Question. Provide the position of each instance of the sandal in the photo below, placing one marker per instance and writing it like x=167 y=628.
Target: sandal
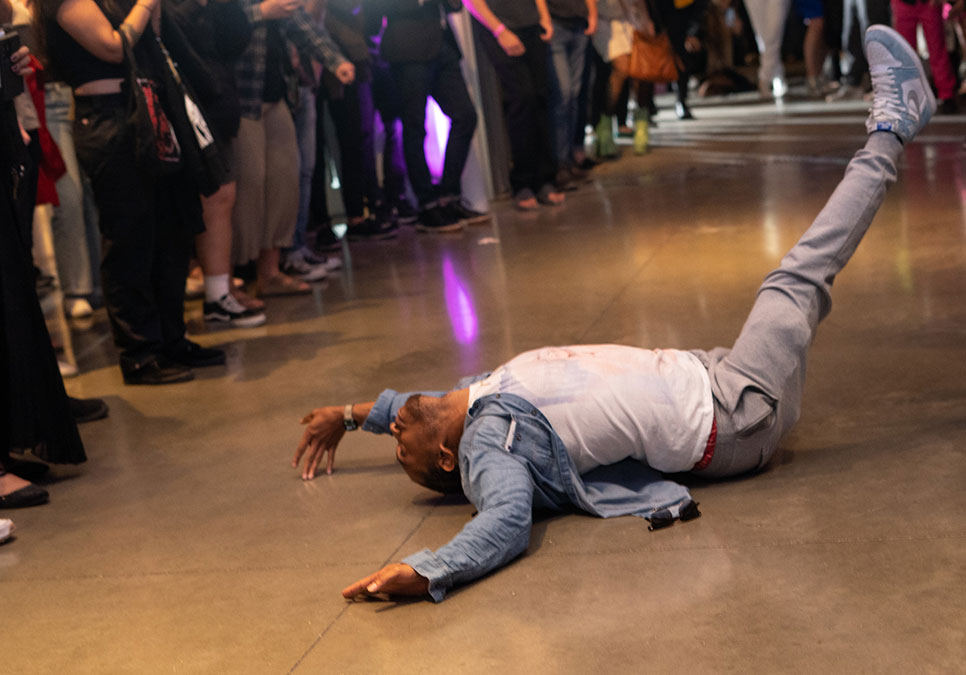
x=282 y=284
x=525 y=200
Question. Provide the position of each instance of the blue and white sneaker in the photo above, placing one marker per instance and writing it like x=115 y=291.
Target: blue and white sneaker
x=902 y=101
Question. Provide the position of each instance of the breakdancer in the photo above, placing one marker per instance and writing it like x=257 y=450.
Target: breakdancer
x=592 y=426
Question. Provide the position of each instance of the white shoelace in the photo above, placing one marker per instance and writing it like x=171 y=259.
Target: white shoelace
x=885 y=102
x=230 y=303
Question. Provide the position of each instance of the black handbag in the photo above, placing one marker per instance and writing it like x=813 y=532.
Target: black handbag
x=156 y=147
x=205 y=164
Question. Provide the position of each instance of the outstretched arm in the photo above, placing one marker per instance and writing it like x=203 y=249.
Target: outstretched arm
x=499 y=486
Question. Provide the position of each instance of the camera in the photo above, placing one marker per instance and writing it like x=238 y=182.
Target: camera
x=11 y=84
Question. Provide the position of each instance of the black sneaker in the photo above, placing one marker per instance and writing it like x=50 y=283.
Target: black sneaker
x=159 y=370
x=465 y=213
x=191 y=354
x=87 y=409
x=438 y=219
x=405 y=213
x=229 y=312
x=371 y=229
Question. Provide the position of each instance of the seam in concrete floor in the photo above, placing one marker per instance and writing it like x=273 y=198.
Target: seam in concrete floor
x=385 y=562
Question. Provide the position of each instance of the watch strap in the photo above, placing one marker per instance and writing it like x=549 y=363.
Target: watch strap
x=347 y=420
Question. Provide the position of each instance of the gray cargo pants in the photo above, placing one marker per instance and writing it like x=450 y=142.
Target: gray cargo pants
x=757 y=384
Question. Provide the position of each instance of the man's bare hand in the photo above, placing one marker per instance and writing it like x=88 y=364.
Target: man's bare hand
x=345 y=72
x=323 y=432
x=395 y=579
x=511 y=44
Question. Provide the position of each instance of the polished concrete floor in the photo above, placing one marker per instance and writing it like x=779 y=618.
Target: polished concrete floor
x=187 y=544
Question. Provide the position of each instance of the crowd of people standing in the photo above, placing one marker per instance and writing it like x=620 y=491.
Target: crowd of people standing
x=170 y=131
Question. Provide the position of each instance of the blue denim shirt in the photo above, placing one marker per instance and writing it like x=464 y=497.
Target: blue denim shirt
x=511 y=462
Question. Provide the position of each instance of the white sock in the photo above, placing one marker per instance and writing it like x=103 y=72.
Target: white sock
x=216 y=286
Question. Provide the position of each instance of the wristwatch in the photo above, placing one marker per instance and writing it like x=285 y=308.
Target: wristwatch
x=347 y=419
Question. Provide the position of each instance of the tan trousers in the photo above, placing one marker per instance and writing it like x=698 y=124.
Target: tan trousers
x=267 y=162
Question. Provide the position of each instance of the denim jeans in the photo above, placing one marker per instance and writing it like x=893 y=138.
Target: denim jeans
x=568 y=49
x=74 y=222
x=304 y=117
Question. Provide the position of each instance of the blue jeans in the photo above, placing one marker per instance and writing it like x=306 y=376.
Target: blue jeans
x=568 y=49
x=304 y=117
x=74 y=222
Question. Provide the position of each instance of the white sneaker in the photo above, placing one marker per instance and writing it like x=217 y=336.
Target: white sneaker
x=229 y=311
x=7 y=528
x=330 y=262
x=903 y=102
x=297 y=266
x=77 y=308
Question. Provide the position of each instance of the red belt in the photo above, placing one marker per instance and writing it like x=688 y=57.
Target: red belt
x=708 y=449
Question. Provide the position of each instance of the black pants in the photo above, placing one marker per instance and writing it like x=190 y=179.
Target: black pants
x=387 y=100
x=443 y=80
x=353 y=115
x=145 y=228
x=526 y=106
x=676 y=23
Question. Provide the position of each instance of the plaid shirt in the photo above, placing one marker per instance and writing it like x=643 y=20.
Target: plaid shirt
x=299 y=29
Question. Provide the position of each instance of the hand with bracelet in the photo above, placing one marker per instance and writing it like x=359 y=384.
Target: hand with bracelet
x=509 y=41
x=324 y=429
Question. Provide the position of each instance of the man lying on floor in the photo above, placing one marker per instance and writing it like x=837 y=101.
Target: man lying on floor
x=592 y=426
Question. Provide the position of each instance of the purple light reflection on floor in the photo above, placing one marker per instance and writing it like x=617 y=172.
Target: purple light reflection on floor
x=437 y=133
x=459 y=305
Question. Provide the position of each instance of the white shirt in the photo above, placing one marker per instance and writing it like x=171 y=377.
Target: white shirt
x=611 y=402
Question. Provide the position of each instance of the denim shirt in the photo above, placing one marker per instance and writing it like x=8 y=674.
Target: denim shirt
x=511 y=462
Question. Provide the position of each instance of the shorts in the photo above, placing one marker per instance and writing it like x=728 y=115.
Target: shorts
x=809 y=9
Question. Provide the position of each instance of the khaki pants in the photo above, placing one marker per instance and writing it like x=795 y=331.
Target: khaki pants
x=267 y=162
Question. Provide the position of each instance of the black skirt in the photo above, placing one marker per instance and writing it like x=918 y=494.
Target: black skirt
x=34 y=411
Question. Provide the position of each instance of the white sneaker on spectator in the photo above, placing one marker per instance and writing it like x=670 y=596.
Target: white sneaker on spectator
x=227 y=310
x=77 y=308
x=331 y=262
x=297 y=266
x=7 y=528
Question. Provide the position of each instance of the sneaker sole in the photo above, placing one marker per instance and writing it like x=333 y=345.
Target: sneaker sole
x=454 y=227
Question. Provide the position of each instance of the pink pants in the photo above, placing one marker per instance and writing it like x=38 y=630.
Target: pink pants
x=905 y=18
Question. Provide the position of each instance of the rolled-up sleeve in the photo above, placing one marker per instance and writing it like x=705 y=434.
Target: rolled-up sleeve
x=501 y=488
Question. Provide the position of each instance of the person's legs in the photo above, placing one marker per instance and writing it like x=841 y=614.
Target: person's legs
x=519 y=109
x=931 y=19
x=568 y=48
x=449 y=90
x=758 y=385
x=348 y=125
x=125 y=201
x=304 y=119
x=248 y=216
x=280 y=195
x=67 y=222
x=414 y=81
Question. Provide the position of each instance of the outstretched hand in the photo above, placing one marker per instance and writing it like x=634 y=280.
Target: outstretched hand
x=395 y=579
x=322 y=434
